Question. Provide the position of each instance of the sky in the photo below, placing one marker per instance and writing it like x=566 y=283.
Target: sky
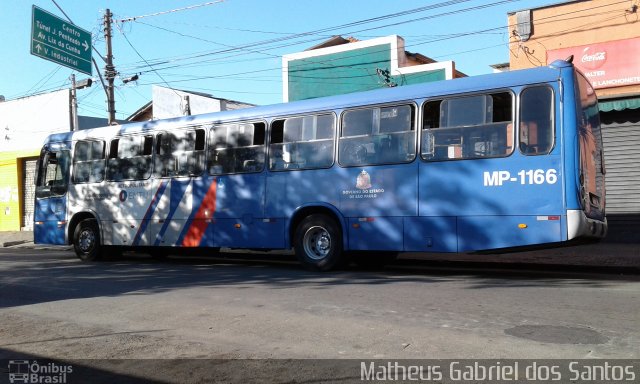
x=233 y=48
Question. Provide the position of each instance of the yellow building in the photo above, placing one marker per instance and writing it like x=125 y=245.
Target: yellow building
x=17 y=172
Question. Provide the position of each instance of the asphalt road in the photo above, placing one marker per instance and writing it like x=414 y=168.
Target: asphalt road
x=54 y=306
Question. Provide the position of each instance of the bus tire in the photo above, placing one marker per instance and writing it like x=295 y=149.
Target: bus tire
x=318 y=243
x=86 y=240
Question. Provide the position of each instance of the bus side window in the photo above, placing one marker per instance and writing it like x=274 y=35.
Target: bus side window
x=236 y=148
x=180 y=153
x=113 y=166
x=468 y=127
x=130 y=158
x=377 y=135
x=536 y=135
x=304 y=142
x=88 y=162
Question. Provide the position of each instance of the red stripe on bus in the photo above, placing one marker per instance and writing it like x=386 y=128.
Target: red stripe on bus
x=201 y=220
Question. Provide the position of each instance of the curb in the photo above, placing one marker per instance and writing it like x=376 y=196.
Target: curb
x=14 y=243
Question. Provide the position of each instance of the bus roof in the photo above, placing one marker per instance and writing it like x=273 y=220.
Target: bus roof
x=410 y=92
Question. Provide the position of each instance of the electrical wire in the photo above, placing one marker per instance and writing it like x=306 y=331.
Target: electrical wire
x=439 y=39
x=446 y=38
x=379 y=18
x=287 y=38
x=170 y=11
x=138 y=53
x=315 y=32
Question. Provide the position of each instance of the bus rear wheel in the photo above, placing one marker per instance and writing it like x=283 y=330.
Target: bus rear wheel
x=86 y=240
x=318 y=243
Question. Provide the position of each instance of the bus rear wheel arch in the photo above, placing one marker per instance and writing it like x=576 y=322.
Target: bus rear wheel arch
x=318 y=242
x=86 y=240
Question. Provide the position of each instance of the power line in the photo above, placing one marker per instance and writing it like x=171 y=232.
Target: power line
x=315 y=32
x=205 y=40
x=240 y=51
x=439 y=15
x=139 y=55
x=431 y=40
x=441 y=39
x=170 y=11
x=41 y=83
x=353 y=23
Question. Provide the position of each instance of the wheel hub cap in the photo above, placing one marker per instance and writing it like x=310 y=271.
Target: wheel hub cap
x=317 y=243
x=87 y=239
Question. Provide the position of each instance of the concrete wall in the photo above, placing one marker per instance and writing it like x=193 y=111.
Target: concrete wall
x=169 y=103
x=24 y=123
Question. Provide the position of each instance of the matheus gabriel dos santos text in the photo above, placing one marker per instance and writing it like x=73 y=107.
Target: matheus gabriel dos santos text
x=502 y=371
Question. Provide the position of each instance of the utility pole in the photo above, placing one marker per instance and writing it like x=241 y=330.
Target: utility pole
x=109 y=69
x=74 y=104
x=74 y=99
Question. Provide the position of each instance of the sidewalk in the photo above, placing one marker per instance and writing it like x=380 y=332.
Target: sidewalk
x=11 y=239
x=605 y=254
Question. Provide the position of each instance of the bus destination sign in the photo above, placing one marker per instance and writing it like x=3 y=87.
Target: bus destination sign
x=60 y=41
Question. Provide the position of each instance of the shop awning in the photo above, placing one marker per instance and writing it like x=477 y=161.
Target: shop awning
x=619 y=104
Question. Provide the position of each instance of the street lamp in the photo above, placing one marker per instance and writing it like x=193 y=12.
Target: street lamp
x=74 y=100
x=130 y=79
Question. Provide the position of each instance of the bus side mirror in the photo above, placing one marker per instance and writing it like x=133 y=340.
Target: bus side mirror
x=58 y=189
x=43 y=192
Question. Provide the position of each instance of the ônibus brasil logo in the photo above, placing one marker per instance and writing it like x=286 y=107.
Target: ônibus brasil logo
x=28 y=372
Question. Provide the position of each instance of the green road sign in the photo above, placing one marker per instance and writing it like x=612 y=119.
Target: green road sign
x=60 y=41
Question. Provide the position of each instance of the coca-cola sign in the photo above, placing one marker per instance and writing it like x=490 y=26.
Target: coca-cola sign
x=607 y=65
x=593 y=60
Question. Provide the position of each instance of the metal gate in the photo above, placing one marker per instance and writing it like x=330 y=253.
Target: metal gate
x=621 y=143
x=29 y=193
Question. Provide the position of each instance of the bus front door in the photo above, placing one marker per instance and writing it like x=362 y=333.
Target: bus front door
x=51 y=197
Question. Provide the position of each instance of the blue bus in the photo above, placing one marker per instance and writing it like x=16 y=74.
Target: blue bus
x=480 y=163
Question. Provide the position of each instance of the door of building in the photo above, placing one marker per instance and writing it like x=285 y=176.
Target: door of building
x=28 y=192
x=621 y=142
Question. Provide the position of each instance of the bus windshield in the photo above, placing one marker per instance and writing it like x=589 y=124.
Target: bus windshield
x=53 y=177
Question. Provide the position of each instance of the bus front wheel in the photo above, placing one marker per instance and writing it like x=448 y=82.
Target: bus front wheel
x=86 y=240
x=318 y=243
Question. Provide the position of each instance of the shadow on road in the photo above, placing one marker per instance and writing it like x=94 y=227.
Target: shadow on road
x=34 y=276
